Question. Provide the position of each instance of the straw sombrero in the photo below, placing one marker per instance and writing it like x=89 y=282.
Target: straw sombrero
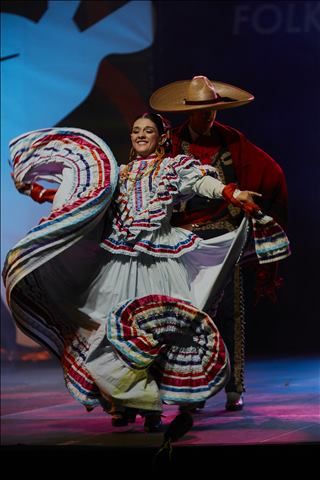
x=197 y=94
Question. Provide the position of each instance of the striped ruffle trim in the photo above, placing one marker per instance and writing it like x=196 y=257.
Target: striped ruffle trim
x=129 y=221
x=271 y=242
x=151 y=248
x=78 y=380
x=43 y=154
x=180 y=343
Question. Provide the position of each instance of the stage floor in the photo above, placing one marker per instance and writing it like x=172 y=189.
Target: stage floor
x=282 y=407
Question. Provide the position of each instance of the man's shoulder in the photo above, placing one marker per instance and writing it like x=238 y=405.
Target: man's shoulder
x=241 y=146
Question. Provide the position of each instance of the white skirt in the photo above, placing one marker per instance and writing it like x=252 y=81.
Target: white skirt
x=193 y=277
x=196 y=277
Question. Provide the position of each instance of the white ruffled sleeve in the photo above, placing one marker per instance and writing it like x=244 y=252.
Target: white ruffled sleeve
x=209 y=187
x=195 y=178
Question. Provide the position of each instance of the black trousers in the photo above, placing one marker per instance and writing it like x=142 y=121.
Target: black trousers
x=230 y=320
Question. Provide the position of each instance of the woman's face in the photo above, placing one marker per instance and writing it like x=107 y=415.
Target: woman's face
x=144 y=136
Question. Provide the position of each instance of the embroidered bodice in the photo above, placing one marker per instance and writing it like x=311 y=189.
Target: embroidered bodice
x=147 y=190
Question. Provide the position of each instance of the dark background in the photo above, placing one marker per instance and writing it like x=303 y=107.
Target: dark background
x=273 y=51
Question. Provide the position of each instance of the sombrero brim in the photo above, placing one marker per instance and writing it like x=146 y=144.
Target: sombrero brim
x=171 y=97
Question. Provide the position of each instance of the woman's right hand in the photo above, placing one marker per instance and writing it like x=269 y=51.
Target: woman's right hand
x=22 y=187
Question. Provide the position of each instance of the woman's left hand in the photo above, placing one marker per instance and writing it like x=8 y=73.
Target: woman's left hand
x=242 y=199
x=245 y=195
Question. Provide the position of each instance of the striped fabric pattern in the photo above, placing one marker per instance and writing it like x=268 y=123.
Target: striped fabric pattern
x=180 y=343
x=42 y=155
x=151 y=247
x=77 y=378
x=142 y=205
x=271 y=242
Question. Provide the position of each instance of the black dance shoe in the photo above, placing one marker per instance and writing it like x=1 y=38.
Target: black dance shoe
x=152 y=423
x=234 y=402
x=119 y=419
x=122 y=419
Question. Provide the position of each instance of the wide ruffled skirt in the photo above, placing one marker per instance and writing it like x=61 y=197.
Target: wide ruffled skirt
x=127 y=330
x=154 y=343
